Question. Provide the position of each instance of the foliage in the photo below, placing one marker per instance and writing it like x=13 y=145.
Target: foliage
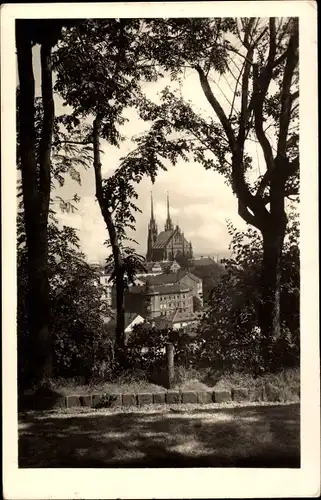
x=258 y=60
x=63 y=254
x=69 y=154
x=146 y=348
x=197 y=304
x=132 y=263
x=100 y=65
x=105 y=401
x=233 y=51
x=230 y=328
x=81 y=346
x=183 y=261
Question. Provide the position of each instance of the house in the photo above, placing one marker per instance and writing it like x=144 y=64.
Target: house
x=131 y=320
x=181 y=276
x=174 y=267
x=156 y=268
x=151 y=301
x=178 y=320
x=109 y=286
x=104 y=279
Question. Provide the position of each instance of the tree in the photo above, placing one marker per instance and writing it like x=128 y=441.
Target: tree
x=99 y=68
x=80 y=343
x=231 y=328
x=36 y=186
x=82 y=346
x=36 y=127
x=263 y=79
x=133 y=263
x=197 y=304
x=183 y=261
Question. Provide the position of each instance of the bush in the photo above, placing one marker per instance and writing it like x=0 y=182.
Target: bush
x=232 y=338
x=82 y=346
x=146 y=348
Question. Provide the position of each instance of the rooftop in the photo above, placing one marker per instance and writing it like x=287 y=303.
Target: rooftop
x=161 y=289
x=168 y=278
x=203 y=261
x=179 y=316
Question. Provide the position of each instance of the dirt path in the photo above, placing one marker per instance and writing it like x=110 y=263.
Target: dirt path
x=211 y=436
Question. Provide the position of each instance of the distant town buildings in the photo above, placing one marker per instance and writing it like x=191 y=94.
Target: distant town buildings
x=151 y=301
x=170 y=293
x=178 y=320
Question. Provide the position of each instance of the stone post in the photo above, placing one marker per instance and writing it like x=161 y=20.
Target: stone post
x=170 y=364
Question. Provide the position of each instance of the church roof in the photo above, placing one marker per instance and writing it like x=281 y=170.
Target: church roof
x=163 y=238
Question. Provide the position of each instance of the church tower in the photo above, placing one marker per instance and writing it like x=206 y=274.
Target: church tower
x=152 y=232
x=168 y=224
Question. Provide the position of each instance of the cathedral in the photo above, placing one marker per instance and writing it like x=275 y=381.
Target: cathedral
x=167 y=244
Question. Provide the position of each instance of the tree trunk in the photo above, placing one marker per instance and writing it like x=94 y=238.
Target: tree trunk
x=270 y=285
x=36 y=197
x=120 y=321
x=118 y=262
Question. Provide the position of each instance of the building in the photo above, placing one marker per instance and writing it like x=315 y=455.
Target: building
x=131 y=320
x=169 y=292
x=178 y=320
x=181 y=276
x=151 y=301
x=104 y=280
x=109 y=286
x=167 y=244
x=156 y=268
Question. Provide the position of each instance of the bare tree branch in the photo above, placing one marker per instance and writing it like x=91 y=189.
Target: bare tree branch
x=244 y=100
x=259 y=94
x=217 y=108
x=286 y=98
x=235 y=91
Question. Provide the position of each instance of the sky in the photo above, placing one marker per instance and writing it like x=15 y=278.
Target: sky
x=200 y=201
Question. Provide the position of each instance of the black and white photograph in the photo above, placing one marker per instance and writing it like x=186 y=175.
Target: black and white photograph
x=161 y=261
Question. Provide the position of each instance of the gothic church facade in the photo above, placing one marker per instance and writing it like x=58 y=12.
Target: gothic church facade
x=168 y=244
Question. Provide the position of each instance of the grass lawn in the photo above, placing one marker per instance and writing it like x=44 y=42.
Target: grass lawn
x=211 y=436
x=190 y=379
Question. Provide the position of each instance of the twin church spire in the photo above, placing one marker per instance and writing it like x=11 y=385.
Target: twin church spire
x=169 y=226
x=167 y=244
